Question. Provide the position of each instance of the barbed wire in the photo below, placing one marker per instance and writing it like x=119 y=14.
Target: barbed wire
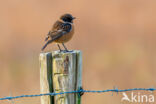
x=80 y=91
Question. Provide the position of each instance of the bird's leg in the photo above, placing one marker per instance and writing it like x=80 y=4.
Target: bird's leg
x=65 y=47
x=59 y=47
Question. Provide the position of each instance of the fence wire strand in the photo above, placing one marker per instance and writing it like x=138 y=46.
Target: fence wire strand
x=79 y=91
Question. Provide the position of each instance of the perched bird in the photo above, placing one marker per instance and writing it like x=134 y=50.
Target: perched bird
x=61 y=32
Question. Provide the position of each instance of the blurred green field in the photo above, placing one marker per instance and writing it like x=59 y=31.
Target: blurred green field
x=117 y=38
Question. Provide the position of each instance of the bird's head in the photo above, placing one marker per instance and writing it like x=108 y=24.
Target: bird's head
x=67 y=18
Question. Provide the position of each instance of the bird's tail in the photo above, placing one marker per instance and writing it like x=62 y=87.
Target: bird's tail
x=49 y=41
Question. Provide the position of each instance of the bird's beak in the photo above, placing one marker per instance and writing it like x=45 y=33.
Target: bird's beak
x=74 y=17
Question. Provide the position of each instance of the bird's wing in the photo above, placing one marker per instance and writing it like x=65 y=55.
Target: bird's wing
x=58 y=34
x=64 y=29
x=57 y=28
x=61 y=30
x=55 y=36
x=54 y=29
x=57 y=25
x=48 y=35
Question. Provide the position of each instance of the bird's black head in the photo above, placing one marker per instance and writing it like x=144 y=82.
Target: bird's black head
x=67 y=18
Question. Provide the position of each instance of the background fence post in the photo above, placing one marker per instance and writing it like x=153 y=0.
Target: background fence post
x=61 y=72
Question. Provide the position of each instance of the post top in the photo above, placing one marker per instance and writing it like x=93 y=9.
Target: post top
x=62 y=52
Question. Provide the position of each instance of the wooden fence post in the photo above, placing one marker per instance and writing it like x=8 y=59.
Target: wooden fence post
x=61 y=72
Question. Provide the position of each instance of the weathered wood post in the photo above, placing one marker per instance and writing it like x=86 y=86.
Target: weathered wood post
x=61 y=72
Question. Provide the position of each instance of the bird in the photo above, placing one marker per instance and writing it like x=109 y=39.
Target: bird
x=61 y=32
